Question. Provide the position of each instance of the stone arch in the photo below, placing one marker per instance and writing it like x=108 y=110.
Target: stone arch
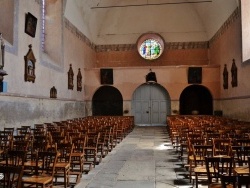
x=196 y=99
x=107 y=101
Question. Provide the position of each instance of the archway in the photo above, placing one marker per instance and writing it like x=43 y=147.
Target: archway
x=150 y=104
x=107 y=101
x=196 y=99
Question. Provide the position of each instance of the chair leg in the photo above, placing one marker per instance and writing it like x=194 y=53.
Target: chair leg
x=196 y=180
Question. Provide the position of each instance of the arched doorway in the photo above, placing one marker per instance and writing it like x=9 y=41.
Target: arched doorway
x=196 y=99
x=150 y=105
x=107 y=101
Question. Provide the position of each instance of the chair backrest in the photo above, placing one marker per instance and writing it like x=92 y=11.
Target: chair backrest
x=222 y=146
x=20 y=145
x=65 y=150
x=11 y=176
x=79 y=143
x=5 y=142
x=45 y=163
x=39 y=146
x=15 y=158
x=93 y=139
x=242 y=142
x=201 y=151
x=216 y=166
x=241 y=154
x=9 y=129
x=9 y=133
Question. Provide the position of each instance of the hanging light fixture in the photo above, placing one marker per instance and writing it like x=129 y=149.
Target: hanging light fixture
x=151 y=77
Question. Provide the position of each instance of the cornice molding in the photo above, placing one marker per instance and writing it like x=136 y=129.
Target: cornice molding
x=78 y=34
x=234 y=16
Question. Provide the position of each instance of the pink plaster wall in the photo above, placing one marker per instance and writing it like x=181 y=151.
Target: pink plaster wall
x=234 y=101
x=222 y=51
x=129 y=71
x=132 y=58
x=78 y=52
x=172 y=78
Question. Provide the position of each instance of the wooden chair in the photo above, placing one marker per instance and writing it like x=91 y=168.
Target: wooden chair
x=101 y=147
x=77 y=157
x=183 y=142
x=30 y=163
x=193 y=157
x=217 y=166
x=107 y=140
x=11 y=176
x=200 y=152
x=63 y=164
x=90 y=150
x=45 y=168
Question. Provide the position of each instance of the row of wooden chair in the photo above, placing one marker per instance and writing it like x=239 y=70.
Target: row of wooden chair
x=201 y=137
x=75 y=145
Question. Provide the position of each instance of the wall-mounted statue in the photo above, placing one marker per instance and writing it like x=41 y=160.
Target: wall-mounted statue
x=2 y=72
x=70 y=78
x=2 y=52
x=234 y=81
x=79 y=80
x=225 y=77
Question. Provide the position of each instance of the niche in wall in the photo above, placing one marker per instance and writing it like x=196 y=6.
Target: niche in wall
x=29 y=70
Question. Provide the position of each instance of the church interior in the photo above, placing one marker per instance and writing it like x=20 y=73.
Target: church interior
x=135 y=64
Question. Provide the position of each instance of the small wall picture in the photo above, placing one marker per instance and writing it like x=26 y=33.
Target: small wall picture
x=194 y=75
x=107 y=76
x=30 y=24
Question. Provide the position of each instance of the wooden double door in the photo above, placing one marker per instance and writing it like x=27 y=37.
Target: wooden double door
x=150 y=105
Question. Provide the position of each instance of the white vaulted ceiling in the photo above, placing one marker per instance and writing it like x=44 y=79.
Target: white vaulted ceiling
x=123 y=21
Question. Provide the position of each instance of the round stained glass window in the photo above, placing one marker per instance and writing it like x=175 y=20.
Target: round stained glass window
x=150 y=46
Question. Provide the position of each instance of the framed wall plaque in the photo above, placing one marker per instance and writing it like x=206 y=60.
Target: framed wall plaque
x=194 y=75
x=106 y=76
x=30 y=24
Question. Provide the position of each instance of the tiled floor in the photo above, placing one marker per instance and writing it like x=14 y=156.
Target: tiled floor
x=144 y=159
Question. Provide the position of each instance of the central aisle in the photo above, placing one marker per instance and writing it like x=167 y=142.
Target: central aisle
x=144 y=159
